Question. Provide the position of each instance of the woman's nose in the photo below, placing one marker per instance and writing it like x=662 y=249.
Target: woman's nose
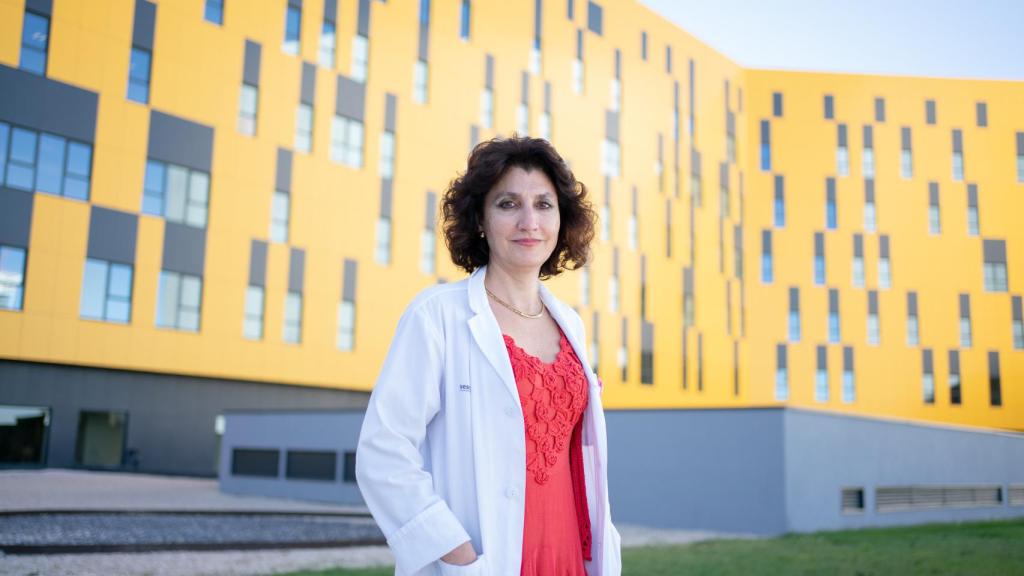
x=528 y=218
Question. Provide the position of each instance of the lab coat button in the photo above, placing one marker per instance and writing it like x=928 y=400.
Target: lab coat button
x=511 y=493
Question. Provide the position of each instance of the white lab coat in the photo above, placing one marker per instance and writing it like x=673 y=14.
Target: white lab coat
x=442 y=452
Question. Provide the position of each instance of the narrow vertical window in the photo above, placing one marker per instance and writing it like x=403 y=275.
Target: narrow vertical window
x=292 y=27
x=981 y=114
x=879 y=109
x=347 y=141
x=12 y=277
x=913 y=323
x=421 y=70
x=842 y=152
x=777 y=104
x=252 y=326
x=606 y=211
x=668 y=59
x=537 y=27
x=360 y=57
x=829 y=105
x=1020 y=157
x=646 y=353
x=386 y=165
x=523 y=108
x=247 y=106
x=874 y=335
x=214 y=12
x=958 y=156
x=595 y=18
x=35 y=36
x=643 y=45
x=544 y=126
x=849 y=382
x=696 y=196
x=730 y=136
x=487 y=94
x=179 y=300
x=819 y=258
x=794 y=314
x=345 y=337
x=138 y=75
x=995 y=385
x=382 y=253
x=821 y=375
x=884 y=266
x=570 y=9
x=595 y=348
x=927 y=376
x=779 y=204
x=689 y=306
x=428 y=238
x=781 y=373
x=325 y=54
x=868 y=158
x=965 y=320
x=577 y=64
x=858 y=261
x=954 y=378
x=870 y=211
x=767 y=271
x=833 y=316
x=906 y=154
x=1018 y=323
x=465 y=13
x=929 y=112
x=420 y=77
x=831 y=210
x=766 y=146
x=624 y=352
x=280 y=215
x=973 y=221
x=613 y=283
x=292 y=327
x=934 y=213
x=615 y=85
x=304 y=128
x=633 y=224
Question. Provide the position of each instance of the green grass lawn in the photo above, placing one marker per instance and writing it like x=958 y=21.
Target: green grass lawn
x=984 y=548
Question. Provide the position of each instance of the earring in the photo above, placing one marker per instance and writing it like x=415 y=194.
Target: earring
x=482 y=235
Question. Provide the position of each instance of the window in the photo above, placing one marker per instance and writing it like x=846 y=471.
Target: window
x=668 y=59
x=360 y=57
x=12 y=277
x=829 y=103
x=831 y=211
x=304 y=128
x=247 y=105
x=849 y=384
x=995 y=386
x=821 y=376
x=179 y=298
x=873 y=325
x=214 y=12
x=777 y=104
x=868 y=158
x=606 y=220
x=34 y=43
x=981 y=114
x=328 y=44
x=884 y=269
x=420 y=74
x=252 y=326
x=879 y=109
x=833 y=316
x=906 y=154
x=522 y=119
x=766 y=146
x=176 y=193
x=973 y=224
x=958 y=156
x=544 y=126
x=927 y=377
x=138 y=75
x=934 y=214
x=954 y=377
x=280 y=214
x=767 y=272
x=781 y=373
x=696 y=196
x=106 y=291
x=858 y=261
x=643 y=45
x=994 y=269
x=870 y=213
x=794 y=314
x=1020 y=157
x=45 y=162
x=633 y=226
x=464 y=20
x=819 y=258
x=842 y=153
x=577 y=65
x=610 y=155
x=311 y=465
x=292 y=329
x=913 y=324
x=387 y=155
x=428 y=251
x=347 y=141
x=487 y=108
x=595 y=18
x=965 y=321
x=382 y=253
x=346 y=325
x=1018 y=323
x=292 y=27
x=779 y=205
x=929 y=111
x=613 y=294
x=689 y=307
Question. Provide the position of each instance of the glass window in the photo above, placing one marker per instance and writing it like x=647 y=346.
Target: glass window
x=794 y=325
x=849 y=386
x=833 y=328
x=606 y=222
x=613 y=294
x=522 y=119
x=906 y=164
x=958 y=166
x=153 y=190
x=387 y=155
x=106 y=291
x=577 y=76
x=178 y=301
x=304 y=128
x=420 y=76
x=965 y=332
x=767 y=273
x=292 y=331
x=585 y=286
x=138 y=75
x=843 y=161
x=873 y=335
x=79 y=168
x=868 y=163
x=252 y=326
x=292 y=26
x=869 y=216
x=821 y=385
x=928 y=387
x=346 y=325
x=1018 y=322
x=766 y=146
x=328 y=44
x=464 y=20
x=101 y=439
x=21 y=167
x=347 y=141
x=544 y=126
x=884 y=273
x=280 y=212
x=177 y=193
x=12 y=277
x=215 y=12
x=428 y=251
x=486 y=108
x=913 y=331
x=247 y=105
x=972 y=221
x=995 y=279
x=34 y=41
x=858 y=272
x=382 y=254
x=779 y=210
x=831 y=215
x=535 y=58
x=5 y=131
x=360 y=57
x=934 y=219
x=819 y=270
x=198 y=199
x=51 y=163
x=23 y=435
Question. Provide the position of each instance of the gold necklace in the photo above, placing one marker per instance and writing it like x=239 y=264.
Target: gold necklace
x=514 y=309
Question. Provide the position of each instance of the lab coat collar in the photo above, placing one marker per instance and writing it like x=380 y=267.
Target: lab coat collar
x=487 y=334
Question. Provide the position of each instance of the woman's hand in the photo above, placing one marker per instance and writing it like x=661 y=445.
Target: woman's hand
x=461 y=556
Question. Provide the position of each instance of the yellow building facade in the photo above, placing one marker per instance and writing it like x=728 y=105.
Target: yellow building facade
x=824 y=241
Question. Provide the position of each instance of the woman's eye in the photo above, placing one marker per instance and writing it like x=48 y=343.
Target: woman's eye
x=506 y=204
x=545 y=205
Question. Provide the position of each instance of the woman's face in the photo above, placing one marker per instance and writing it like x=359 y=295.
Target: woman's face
x=521 y=220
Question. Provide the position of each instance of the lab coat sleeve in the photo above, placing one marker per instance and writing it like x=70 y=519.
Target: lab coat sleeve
x=399 y=491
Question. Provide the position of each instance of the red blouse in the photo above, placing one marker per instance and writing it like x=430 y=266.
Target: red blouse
x=556 y=535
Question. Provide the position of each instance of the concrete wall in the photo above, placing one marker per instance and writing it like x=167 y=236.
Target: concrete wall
x=170 y=417
x=333 y=431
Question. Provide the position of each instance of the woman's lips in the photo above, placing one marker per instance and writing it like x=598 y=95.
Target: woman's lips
x=527 y=242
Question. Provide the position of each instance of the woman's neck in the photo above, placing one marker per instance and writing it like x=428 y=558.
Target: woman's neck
x=520 y=289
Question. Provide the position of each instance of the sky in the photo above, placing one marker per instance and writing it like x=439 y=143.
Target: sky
x=937 y=38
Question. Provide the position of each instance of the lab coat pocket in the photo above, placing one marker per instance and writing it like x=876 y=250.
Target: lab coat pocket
x=474 y=569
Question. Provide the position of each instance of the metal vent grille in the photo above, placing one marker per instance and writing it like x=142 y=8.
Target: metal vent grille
x=853 y=500
x=1017 y=495
x=895 y=499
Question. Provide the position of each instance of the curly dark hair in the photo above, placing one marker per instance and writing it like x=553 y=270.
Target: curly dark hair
x=462 y=209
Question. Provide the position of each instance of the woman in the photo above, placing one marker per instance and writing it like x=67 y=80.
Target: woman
x=483 y=448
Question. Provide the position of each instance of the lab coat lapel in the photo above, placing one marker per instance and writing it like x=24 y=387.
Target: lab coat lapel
x=555 y=309
x=487 y=333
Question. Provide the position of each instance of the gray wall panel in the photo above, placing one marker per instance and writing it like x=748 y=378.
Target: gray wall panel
x=258 y=263
x=308 y=87
x=350 y=100
x=283 y=179
x=112 y=235
x=184 y=249
x=48 y=105
x=180 y=141
x=296 y=270
x=15 y=216
x=251 y=67
x=145 y=24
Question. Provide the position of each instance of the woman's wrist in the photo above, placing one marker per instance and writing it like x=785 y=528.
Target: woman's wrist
x=462 y=555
